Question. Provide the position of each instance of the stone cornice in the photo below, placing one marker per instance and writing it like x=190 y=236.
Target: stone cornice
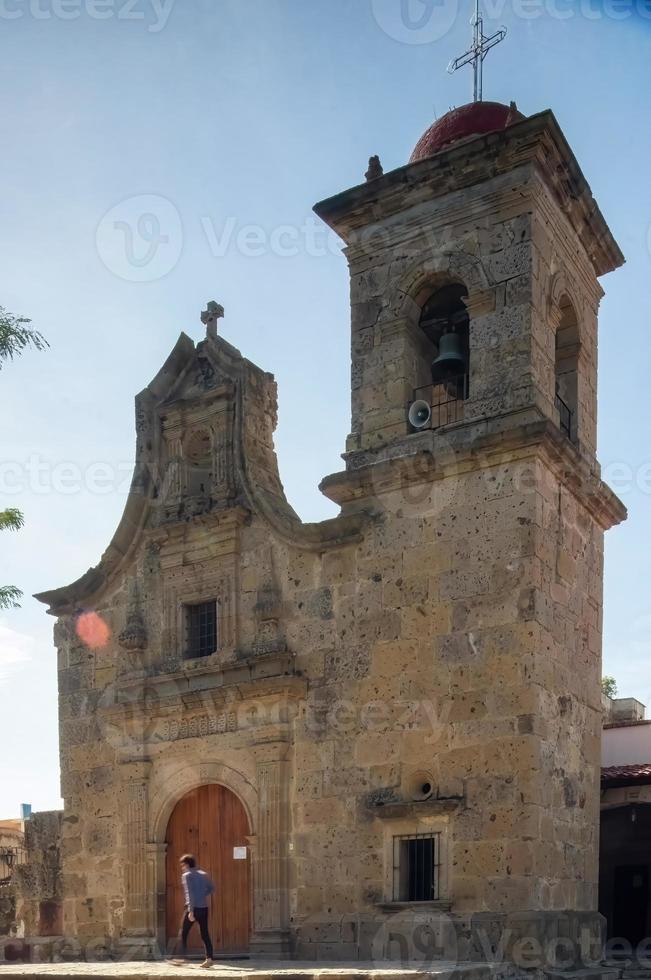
x=537 y=140
x=426 y=457
x=550 y=217
x=223 y=689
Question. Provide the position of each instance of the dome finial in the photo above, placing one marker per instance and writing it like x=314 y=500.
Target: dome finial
x=481 y=45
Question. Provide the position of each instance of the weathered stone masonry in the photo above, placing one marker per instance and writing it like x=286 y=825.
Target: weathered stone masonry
x=443 y=632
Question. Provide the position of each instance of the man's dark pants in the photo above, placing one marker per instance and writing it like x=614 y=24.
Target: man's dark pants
x=201 y=917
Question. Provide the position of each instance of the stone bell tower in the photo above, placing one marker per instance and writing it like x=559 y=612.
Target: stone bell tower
x=475 y=292
x=494 y=204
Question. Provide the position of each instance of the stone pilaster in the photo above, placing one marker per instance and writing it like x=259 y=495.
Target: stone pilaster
x=139 y=929
x=270 y=857
x=157 y=876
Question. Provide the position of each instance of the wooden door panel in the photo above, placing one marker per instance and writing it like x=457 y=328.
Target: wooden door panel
x=236 y=874
x=182 y=837
x=210 y=822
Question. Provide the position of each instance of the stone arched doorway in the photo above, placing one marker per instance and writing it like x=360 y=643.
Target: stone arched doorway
x=211 y=823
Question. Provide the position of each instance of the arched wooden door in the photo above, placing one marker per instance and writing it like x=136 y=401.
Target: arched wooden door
x=211 y=823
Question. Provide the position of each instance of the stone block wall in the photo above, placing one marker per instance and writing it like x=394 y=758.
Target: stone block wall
x=7 y=910
x=38 y=880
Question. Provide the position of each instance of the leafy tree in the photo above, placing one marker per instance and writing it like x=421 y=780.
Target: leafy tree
x=609 y=686
x=15 y=336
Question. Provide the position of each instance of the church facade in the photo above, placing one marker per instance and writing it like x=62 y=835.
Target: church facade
x=380 y=733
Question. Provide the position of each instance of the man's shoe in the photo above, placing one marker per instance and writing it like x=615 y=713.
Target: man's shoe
x=206 y=964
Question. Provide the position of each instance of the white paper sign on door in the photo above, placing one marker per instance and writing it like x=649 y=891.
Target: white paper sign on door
x=239 y=853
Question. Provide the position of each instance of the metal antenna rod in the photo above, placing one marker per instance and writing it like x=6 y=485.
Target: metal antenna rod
x=475 y=55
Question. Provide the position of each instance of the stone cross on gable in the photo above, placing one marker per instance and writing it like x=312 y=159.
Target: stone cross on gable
x=481 y=45
x=210 y=317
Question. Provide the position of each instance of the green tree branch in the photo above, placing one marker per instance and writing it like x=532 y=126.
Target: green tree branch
x=16 y=335
x=609 y=686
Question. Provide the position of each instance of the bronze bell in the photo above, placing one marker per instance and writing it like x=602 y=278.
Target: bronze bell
x=450 y=361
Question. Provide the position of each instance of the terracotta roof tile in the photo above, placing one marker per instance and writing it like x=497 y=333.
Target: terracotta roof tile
x=641 y=772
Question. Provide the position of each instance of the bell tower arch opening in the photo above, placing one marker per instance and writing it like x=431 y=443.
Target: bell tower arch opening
x=443 y=371
x=445 y=322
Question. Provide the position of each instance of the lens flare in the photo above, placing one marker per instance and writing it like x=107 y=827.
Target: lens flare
x=92 y=630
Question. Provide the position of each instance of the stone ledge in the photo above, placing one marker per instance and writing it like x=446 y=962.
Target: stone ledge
x=416 y=808
x=434 y=906
x=469 y=446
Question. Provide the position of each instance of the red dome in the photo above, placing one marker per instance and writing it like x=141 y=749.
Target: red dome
x=473 y=119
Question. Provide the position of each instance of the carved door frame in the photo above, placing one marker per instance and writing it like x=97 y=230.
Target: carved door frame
x=175 y=782
x=222 y=823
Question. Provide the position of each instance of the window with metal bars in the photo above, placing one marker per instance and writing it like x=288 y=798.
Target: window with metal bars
x=200 y=630
x=416 y=867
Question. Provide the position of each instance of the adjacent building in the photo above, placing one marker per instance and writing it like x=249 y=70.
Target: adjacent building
x=625 y=858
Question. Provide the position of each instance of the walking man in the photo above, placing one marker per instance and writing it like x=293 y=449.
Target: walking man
x=197 y=887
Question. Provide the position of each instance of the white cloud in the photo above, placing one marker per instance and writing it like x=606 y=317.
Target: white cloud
x=16 y=650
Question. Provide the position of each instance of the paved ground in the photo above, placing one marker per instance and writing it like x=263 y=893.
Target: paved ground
x=242 y=970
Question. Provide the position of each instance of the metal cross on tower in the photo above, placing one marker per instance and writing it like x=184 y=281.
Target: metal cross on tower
x=481 y=45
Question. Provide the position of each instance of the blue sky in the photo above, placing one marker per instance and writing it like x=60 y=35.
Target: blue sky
x=227 y=120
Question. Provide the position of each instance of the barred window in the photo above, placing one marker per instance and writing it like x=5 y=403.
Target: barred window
x=200 y=630
x=417 y=867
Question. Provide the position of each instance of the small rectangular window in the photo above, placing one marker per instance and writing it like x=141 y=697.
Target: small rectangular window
x=201 y=630
x=416 y=867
